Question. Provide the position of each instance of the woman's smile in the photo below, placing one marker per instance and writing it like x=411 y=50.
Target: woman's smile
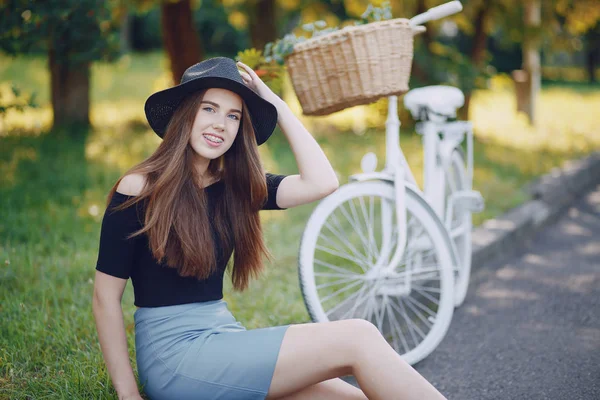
x=213 y=140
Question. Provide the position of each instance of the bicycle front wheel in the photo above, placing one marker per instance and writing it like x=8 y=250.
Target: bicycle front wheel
x=349 y=236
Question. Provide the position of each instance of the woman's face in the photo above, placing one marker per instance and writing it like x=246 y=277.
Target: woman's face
x=216 y=124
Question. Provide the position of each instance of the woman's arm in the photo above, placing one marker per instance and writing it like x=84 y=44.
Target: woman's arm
x=108 y=314
x=317 y=178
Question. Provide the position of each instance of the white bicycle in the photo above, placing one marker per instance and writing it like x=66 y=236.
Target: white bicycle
x=381 y=249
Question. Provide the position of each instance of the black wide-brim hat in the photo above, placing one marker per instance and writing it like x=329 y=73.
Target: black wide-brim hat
x=218 y=72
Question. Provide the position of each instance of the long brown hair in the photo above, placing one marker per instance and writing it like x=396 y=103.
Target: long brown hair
x=176 y=218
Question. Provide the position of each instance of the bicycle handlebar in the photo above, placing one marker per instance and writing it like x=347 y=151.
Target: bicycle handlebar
x=438 y=12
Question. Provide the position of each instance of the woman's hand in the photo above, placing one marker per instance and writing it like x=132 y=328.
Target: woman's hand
x=254 y=82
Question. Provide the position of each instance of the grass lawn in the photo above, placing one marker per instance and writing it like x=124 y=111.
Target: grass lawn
x=53 y=188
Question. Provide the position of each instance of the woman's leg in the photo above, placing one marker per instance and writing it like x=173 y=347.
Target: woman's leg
x=313 y=353
x=332 y=389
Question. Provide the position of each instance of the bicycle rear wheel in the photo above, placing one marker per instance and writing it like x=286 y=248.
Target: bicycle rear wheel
x=352 y=231
x=461 y=226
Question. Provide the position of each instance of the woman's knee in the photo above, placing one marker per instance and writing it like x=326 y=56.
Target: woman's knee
x=360 y=335
x=363 y=329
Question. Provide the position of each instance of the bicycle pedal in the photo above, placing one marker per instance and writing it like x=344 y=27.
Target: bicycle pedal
x=469 y=200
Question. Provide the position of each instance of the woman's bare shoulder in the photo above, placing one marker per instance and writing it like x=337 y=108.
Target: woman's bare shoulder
x=132 y=184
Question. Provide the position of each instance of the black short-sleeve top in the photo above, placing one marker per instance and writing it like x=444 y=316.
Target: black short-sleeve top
x=155 y=284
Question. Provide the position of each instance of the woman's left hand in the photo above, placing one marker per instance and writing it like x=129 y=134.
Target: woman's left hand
x=254 y=82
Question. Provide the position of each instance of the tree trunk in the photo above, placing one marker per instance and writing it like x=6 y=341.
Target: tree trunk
x=181 y=39
x=125 y=33
x=70 y=91
x=531 y=56
x=428 y=34
x=592 y=62
x=262 y=22
x=592 y=52
x=477 y=52
x=425 y=37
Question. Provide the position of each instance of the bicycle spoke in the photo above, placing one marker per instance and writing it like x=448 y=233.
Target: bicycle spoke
x=355 y=254
x=394 y=324
x=333 y=275
x=427 y=296
x=379 y=318
x=420 y=305
x=368 y=308
x=353 y=222
x=412 y=327
x=424 y=320
x=345 y=289
x=341 y=304
x=342 y=237
x=337 y=282
x=357 y=303
x=434 y=290
x=404 y=342
x=343 y=255
x=360 y=232
x=333 y=267
x=372 y=244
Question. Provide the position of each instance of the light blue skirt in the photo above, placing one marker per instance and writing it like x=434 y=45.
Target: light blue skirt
x=200 y=351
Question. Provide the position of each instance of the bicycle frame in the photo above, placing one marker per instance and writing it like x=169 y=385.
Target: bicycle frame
x=398 y=172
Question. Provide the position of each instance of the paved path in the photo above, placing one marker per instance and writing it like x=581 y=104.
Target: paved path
x=530 y=326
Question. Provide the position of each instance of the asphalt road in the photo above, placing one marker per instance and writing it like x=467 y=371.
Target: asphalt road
x=530 y=325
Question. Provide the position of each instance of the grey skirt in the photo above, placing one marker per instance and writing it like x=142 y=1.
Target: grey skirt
x=200 y=351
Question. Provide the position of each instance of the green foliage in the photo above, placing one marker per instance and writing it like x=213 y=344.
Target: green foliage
x=578 y=16
x=444 y=64
x=78 y=31
x=376 y=13
x=211 y=21
x=270 y=73
x=13 y=98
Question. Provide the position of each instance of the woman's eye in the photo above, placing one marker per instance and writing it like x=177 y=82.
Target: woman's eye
x=208 y=109
x=234 y=117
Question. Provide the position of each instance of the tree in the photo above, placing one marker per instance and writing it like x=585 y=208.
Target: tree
x=181 y=40
x=73 y=33
x=481 y=15
x=592 y=59
x=582 y=18
x=531 y=56
x=263 y=17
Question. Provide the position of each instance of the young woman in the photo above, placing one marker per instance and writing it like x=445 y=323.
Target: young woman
x=172 y=224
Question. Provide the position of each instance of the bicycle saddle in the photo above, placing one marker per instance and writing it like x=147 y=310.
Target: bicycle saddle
x=437 y=103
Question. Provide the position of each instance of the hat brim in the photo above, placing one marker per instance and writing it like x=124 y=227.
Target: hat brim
x=160 y=106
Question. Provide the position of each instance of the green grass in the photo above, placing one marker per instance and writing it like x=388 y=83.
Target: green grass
x=52 y=196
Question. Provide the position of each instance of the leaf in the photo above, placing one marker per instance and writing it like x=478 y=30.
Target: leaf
x=268 y=48
x=260 y=72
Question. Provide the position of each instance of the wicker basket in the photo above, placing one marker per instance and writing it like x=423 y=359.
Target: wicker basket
x=353 y=66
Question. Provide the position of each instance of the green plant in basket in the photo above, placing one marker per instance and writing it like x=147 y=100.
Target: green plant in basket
x=269 y=72
x=276 y=52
